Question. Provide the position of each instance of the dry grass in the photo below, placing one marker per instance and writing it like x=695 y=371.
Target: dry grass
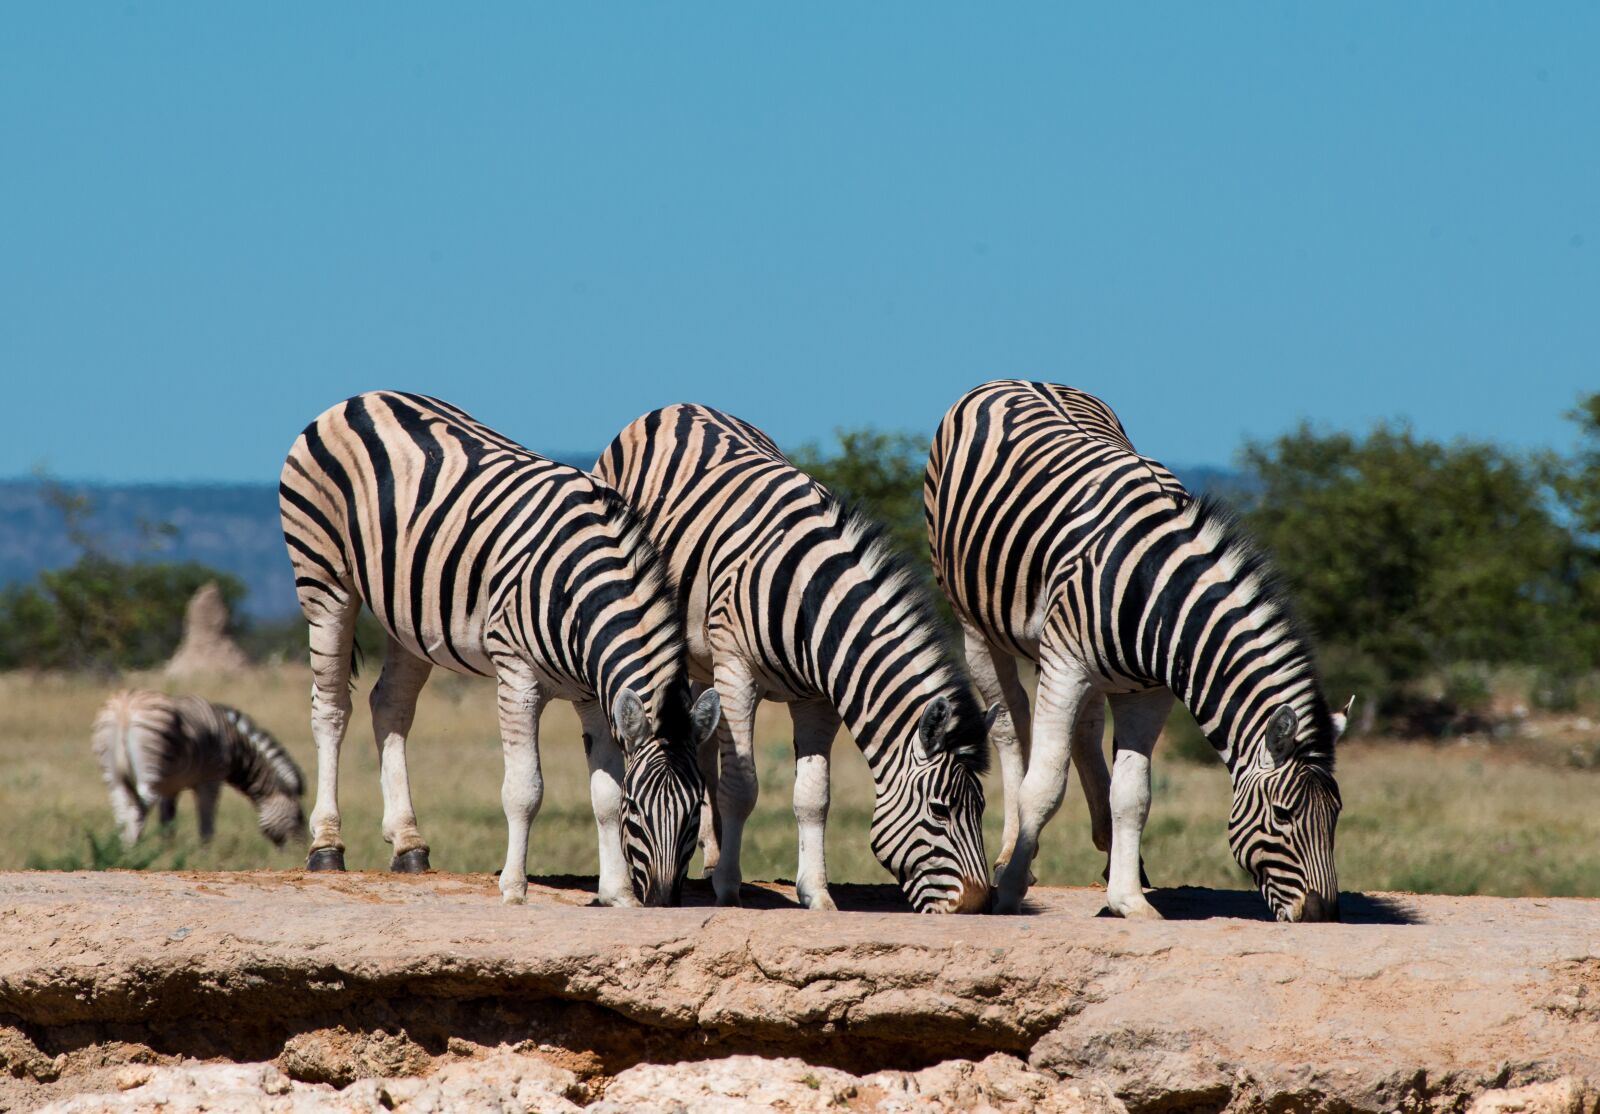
x=1458 y=819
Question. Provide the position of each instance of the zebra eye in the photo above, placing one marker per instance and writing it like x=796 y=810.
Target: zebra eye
x=940 y=810
x=1282 y=815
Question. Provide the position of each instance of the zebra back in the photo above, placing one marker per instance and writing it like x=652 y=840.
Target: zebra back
x=469 y=547
x=1046 y=523
x=165 y=744
x=818 y=598
x=775 y=573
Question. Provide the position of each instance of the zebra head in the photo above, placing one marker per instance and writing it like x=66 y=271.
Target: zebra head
x=927 y=825
x=281 y=818
x=1285 y=806
x=269 y=777
x=661 y=788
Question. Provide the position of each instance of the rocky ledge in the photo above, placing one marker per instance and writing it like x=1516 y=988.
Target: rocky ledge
x=365 y=991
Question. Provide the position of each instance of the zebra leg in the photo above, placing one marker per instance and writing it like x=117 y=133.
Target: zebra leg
x=1139 y=719
x=710 y=819
x=1063 y=688
x=167 y=810
x=1089 y=756
x=333 y=635
x=394 y=706
x=128 y=811
x=605 y=792
x=522 y=790
x=736 y=781
x=815 y=725
x=995 y=673
x=205 y=804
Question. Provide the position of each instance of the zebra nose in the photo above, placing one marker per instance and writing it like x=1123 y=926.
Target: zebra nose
x=974 y=898
x=1318 y=908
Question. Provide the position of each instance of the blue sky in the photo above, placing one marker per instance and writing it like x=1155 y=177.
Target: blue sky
x=215 y=220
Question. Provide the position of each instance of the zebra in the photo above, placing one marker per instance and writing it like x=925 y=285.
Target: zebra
x=480 y=556
x=1055 y=541
x=152 y=746
x=788 y=595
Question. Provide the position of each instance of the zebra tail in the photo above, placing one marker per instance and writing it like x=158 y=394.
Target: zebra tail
x=120 y=738
x=110 y=740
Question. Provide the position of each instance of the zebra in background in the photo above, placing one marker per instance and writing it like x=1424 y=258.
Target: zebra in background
x=152 y=746
x=1056 y=541
x=789 y=596
x=480 y=556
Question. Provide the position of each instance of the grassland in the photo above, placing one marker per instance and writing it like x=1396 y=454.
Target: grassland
x=1501 y=818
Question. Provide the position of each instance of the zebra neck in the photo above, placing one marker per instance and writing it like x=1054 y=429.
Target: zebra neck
x=254 y=759
x=885 y=741
x=881 y=686
x=248 y=770
x=1232 y=665
x=652 y=684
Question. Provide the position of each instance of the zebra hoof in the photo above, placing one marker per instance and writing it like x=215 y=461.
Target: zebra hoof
x=414 y=861
x=325 y=858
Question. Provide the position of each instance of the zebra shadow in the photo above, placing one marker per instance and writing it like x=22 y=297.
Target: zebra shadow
x=698 y=894
x=1177 y=903
x=1198 y=903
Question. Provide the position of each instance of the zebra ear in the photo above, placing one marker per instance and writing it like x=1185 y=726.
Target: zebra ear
x=1281 y=729
x=632 y=725
x=1341 y=720
x=703 y=718
x=930 y=732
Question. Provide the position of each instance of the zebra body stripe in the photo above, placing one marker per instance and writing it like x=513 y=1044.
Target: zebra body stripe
x=1056 y=541
x=483 y=557
x=152 y=746
x=789 y=596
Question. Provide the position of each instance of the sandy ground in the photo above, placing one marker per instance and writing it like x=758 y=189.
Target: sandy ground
x=325 y=985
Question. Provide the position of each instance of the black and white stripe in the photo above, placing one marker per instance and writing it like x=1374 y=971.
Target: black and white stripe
x=152 y=746
x=1056 y=541
x=789 y=596
x=480 y=556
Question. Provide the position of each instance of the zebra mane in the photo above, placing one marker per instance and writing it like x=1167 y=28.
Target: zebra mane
x=658 y=593
x=266 y=754
x=966 y=739
x=1244 y=562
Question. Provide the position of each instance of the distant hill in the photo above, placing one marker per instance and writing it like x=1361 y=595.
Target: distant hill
x=231 y=527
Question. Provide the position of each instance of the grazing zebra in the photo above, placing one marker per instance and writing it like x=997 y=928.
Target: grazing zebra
x=789 y=596
x=480 y=556
x=1055 y=541
x=152 y=746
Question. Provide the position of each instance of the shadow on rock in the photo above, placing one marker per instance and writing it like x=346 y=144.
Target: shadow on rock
x=1196 y=903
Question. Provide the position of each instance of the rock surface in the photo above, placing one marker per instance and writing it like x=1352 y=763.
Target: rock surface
x=278 y=990
x=504 y=1080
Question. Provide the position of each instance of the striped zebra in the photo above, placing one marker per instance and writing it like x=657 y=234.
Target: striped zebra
x=152 y=746
x=1056 y=541
x=482 y=557
x=789 y=596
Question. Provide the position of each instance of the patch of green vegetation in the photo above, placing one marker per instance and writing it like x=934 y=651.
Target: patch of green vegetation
x=106 y=851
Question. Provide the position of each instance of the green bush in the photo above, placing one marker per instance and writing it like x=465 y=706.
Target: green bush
x=1409 y=557
x=287 y=639
x=99 y=613
x=879 y=474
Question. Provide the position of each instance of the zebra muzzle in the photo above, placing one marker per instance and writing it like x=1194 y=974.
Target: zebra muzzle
x=1317 y=908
